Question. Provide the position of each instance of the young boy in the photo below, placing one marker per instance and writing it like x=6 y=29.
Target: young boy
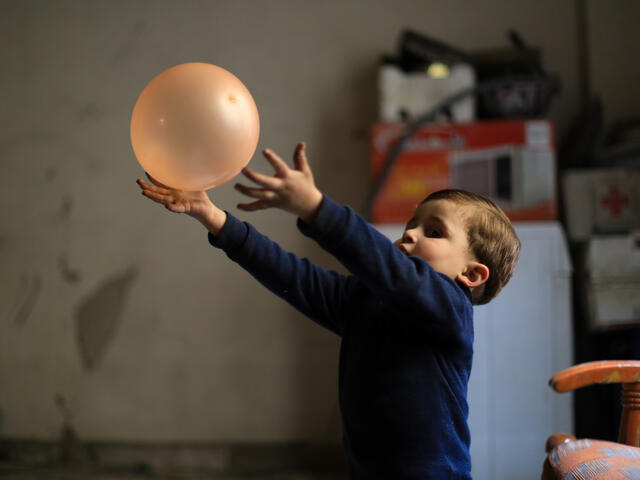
x=404 y=313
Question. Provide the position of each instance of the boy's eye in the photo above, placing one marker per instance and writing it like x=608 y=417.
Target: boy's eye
x=432 y=233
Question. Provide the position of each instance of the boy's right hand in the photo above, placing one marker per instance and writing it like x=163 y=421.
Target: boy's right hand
x=290 y=189
x=195 y=204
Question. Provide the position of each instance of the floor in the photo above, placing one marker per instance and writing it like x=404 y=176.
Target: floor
x=17 y=473
x=71 y=459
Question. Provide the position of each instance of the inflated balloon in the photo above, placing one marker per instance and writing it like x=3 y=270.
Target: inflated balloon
x=194 y=126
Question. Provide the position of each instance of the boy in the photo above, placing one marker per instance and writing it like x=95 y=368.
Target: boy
x=404 y=313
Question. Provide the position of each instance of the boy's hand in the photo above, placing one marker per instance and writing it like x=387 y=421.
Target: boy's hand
x=292 y=190
x=195 y=204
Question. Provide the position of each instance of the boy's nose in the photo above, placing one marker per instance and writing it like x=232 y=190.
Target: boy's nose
x=408 y=236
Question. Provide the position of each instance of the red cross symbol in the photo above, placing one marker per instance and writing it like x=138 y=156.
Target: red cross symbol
x=615 y=201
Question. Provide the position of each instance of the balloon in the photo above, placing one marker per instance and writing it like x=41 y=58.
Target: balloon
x=194 y=127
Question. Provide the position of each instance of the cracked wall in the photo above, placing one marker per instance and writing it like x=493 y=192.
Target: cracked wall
x=124 y=310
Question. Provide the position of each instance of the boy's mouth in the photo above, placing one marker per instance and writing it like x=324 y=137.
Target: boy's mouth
x=403 y=249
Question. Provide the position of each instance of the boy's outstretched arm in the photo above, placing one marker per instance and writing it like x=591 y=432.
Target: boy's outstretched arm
x=290 y=189
x=316 y=292
x=195 y=204
x=406 y=283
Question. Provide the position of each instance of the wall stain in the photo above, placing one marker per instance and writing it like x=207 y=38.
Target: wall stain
x=50 y=173
x=99 y=315
x=31 y=137
x=30 y=287
x=89 y=111
x=21 y=147
x=72 y=451
x=69 y=275
x=66 y=207
x=126 y=50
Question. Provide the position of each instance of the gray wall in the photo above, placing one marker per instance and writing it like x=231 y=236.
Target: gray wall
x=115 y=314
x=614 y=63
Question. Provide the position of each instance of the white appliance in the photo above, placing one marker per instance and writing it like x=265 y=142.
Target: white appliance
x=516 y=178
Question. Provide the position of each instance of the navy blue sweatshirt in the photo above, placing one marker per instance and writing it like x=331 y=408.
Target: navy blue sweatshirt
x=407 y=341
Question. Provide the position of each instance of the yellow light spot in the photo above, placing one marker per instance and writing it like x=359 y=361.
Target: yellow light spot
x=438 y=70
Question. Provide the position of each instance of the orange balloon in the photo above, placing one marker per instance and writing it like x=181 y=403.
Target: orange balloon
x=194 y=127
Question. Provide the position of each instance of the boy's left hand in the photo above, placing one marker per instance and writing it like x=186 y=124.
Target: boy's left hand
x=290 y=189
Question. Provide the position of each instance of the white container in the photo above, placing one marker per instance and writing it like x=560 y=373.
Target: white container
x=601 y=201
x=416 y=93
x=613 y=280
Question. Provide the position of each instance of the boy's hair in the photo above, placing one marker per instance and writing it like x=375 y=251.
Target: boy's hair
x=491 y=237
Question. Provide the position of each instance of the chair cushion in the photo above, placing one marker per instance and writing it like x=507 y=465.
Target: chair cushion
x=595 y=460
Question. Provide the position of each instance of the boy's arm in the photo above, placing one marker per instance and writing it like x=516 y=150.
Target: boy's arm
x=407 y=283
x=316 y=292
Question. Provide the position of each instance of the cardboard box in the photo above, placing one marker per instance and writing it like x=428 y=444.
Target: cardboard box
x=604 y=200
x=613 y=281
x=511 y=162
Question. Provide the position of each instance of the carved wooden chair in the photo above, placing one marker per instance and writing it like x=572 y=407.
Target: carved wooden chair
x=587 y=459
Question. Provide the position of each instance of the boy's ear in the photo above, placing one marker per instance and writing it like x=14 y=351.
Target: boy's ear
x=474 y=275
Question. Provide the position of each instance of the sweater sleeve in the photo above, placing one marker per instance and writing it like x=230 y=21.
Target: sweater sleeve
x=314 y=291
x=409 y=284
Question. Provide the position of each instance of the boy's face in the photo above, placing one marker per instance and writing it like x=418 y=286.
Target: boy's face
x=437 y=234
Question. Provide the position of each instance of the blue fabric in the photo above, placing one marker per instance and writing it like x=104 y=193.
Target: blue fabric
x=407 y=341
x=589 y=470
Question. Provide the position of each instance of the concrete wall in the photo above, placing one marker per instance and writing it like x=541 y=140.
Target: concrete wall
x=614 y=63
x=116 y=316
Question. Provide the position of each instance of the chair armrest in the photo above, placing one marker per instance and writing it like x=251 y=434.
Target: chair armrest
x=607 y=371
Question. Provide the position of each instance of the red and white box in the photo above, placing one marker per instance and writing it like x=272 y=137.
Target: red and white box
x=510 y=162
x=601 y=201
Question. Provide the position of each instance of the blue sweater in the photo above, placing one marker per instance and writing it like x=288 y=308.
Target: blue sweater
x=407 y=341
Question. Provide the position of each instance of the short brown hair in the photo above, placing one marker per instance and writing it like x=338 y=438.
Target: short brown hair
x=491 y=237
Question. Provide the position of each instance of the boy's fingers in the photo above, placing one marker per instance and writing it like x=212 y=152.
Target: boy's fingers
x=266 y=181
x=156 y=197
x=300 y=158
x=261 y=193
x=146 y=186
x=276 y=162
x=155 y=182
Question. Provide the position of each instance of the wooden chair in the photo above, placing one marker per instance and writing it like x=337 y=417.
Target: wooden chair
x=586 y=459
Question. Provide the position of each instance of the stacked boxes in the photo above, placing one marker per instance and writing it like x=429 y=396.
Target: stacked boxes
x=511 y=162
x=603 y=212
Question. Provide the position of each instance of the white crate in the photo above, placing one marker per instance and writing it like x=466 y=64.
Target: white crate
x=613 y=280
x=416 y=93
x=601 y=201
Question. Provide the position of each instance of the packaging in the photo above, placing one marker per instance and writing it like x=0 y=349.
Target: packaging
x=510 y=162
x=604 y=200
x=613 y=281
x=405 y=95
